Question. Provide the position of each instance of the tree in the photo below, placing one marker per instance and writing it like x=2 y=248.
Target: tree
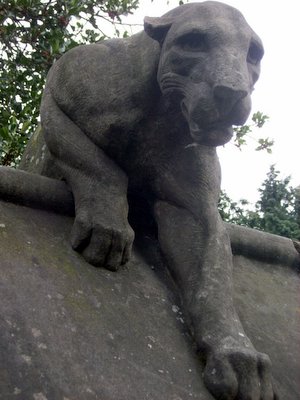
x=242 y=133
x=276 y=211
x=237 y=212
x=33 y=34
x=277 y=206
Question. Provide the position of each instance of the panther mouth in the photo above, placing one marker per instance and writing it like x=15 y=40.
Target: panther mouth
x=205 y=132
x=206 y=125
x=211 y=135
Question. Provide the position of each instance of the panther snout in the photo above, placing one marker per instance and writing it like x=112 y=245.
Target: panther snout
x=211 y=112
x=227 y=97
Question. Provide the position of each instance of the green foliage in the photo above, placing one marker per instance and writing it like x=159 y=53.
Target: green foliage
x=242 y=133
x=232 y=211
x=33 y=34
x=277 y=205
x=277 y=211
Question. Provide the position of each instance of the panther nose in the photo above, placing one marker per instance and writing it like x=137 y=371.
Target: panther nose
x=226 y=98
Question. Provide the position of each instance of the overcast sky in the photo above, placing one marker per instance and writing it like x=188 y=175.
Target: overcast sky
x=276 y=93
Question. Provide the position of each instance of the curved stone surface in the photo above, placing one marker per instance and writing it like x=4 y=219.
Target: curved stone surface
x=37 y=191
x=70 y=331
x=268 y=302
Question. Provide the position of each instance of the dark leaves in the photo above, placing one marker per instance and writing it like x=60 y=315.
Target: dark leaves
x=33 y=34
x=277 y=210
x=243 y=133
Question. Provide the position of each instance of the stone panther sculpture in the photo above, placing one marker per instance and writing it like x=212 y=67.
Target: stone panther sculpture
x=145 y=114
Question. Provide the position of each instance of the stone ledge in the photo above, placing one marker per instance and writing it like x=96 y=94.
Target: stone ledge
x=50 y=194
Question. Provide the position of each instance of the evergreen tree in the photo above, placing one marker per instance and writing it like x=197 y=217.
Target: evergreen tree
x=277 y=210
x=277 y=206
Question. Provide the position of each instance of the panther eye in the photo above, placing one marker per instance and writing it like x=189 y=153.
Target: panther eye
x=255 y=54
x=193 y=41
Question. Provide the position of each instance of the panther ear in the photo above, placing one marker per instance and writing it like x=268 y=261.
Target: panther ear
x=157 y=28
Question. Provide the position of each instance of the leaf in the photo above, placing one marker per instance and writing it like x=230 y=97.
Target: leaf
x=33 y=34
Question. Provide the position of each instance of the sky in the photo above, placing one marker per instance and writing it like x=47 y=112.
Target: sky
x=276 y=94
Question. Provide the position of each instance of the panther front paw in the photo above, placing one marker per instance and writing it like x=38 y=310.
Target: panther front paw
x=240 y=373
x=101 y=241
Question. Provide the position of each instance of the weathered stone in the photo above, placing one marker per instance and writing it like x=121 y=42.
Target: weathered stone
x=133 y=125
x=259 y=245
x=33 y=190
x=72 y=331
x=267 y=300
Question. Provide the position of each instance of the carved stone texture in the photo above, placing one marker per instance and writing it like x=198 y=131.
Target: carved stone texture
x=71 y=331
x=146 y=110
x=141 y=118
